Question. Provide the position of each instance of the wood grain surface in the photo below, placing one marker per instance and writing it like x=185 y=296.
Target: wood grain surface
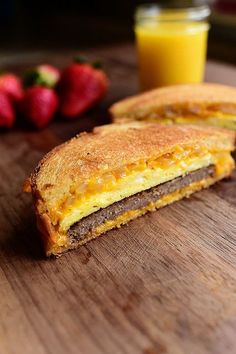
x=166 y=283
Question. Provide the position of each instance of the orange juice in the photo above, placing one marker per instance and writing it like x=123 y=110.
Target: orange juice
x=171 y=51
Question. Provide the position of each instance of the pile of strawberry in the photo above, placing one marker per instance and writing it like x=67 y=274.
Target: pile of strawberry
x=45 y=90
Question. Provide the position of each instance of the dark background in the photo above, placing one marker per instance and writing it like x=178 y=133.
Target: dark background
x=57 y=25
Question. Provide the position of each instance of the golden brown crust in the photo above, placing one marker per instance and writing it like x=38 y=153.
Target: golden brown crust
x=109 y=147
x=192 y=100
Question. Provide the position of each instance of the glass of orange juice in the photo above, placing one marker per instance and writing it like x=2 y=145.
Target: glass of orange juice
x=171 y=44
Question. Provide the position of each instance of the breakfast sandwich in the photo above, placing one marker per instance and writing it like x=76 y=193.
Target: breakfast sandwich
x=100 y=180
x=208 y=104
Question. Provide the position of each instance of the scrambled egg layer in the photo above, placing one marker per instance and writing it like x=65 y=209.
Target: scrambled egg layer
x=105 y=191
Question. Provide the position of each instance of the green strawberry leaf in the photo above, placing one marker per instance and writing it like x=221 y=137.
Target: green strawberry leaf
x=33 y=77
x=81 y=59
x=97 y=64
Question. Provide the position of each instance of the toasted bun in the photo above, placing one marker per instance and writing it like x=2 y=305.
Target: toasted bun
x=107 y=148
x=196 y=100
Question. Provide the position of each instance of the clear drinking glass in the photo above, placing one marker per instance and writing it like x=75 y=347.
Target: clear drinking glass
x=171 y=44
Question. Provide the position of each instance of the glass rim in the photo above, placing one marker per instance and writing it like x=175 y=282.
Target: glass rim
x=163 y=13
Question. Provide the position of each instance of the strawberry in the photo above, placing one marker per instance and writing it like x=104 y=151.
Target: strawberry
x=39 y=105
x=7 y=114
x=43 y=75
x=81 y=86
x=12 y=86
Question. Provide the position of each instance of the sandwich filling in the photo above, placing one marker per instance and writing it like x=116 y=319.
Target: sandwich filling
x=135 y=202
x=216 y=119
x=148 y=179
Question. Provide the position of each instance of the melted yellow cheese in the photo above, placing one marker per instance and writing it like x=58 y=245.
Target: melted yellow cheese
x=218 y=120
x=224 y=121
x=133 y=182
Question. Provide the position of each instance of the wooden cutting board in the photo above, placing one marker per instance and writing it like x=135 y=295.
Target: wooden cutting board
x=166 y=283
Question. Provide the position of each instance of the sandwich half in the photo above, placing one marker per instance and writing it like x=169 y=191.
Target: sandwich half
x=100 y=180
x=208 y=104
